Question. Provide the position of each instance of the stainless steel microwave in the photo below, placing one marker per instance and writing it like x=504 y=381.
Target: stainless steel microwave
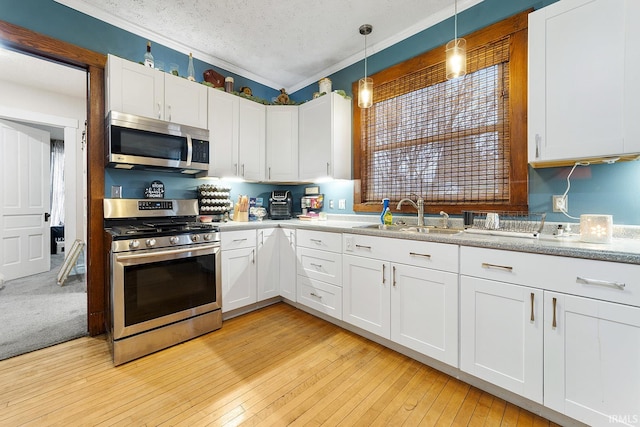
x=136 y=142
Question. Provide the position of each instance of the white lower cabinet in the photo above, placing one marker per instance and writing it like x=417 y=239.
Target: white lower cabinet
x=287 y=244
x=268 y=266
x=366 y=294
x=424 y=311
x=592 y=359
x=319 y=271
x=501 y=335
x=239 y=271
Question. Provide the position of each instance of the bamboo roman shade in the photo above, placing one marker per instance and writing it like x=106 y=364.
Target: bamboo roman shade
x=445 y=140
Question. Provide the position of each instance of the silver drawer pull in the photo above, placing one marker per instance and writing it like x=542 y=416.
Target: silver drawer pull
x=318 y=241
x=239 y=240
x=313 y=294
x=496 y=266
x=417 y=254
x=587 y=281
x=363 y=247
x=315 y=265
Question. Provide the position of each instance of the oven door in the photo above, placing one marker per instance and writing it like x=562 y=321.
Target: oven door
x=157 y=287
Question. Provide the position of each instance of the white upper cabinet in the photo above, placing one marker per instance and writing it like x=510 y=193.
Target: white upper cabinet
x=135 y=89
x=282 y=143
x=584 y=98
x=251 y=140
x=325 y=138
x=223 y=133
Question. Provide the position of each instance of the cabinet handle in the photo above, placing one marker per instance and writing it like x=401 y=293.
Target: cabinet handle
x=533 y=319
x=393 y=273
x=384 y=280
x=269 y=172
x=328 y=173
x=316 y=241
x=554 y=324
x=159 y=111
x=315 y=265
x=363 y=247
x=239 y=240
x=587 y=281
x=313 y=294
x=235 y=166
x=253 y=256
x=417 y=254
x=243 y=169
x=537 y=145
x=262 y=238
x=499 y=267
x=169 y=108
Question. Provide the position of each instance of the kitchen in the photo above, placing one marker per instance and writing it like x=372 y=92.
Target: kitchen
x=606 y=195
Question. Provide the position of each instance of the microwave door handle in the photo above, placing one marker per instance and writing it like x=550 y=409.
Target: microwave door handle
x=189 y=149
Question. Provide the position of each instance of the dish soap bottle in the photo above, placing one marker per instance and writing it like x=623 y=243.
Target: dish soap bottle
x=385 y=206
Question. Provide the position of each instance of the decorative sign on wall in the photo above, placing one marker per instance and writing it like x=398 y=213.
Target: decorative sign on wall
x=155 y=191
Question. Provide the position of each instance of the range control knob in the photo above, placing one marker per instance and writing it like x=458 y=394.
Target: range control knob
x=195 y=237
x=151 y=242
x=174 y=240
x=134 y=244
x=208 y=237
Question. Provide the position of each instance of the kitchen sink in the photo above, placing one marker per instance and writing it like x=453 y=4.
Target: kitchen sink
x=410 y=228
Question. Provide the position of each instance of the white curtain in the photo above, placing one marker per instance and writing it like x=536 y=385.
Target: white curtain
x=57 y=183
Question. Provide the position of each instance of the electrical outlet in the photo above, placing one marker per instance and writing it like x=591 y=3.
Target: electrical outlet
x=560 y=204
x=342 y=204
x=331 y=204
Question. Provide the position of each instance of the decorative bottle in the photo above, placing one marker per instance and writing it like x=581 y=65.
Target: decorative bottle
x=191 y=72
x=148 y=57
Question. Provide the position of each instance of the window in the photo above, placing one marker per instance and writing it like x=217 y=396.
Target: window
x=460 y=144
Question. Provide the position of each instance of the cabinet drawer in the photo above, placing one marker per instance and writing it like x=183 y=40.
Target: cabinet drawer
x=438 y=256
x=320 y=240
x=320 y=265
x=238 y=239
x=320 y=296
x=608 y=281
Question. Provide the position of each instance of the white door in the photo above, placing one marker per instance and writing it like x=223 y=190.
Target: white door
x=268 y=264
x=24 y=200
x=238 y=278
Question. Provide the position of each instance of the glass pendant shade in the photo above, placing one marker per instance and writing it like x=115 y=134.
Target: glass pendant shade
x=456 y=52
x=365 y=92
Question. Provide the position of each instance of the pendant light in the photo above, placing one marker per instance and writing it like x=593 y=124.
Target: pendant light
x=456 y=51
x=365 y=85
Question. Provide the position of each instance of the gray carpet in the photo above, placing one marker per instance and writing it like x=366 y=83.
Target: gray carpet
x=36 y=312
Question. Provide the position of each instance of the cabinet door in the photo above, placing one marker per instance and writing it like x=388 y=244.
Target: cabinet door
x=501 y=335
x=185 y=102
x=366 y=293
x=223 y=133
x=251 y=140
x=134 y=88
x=268 y=264
x=424 y=311
x=575 y=99
x=282 y=143
x=592 y=359
x=631 y=81
x=287 y=242
x=238 y=278
x=315 y=138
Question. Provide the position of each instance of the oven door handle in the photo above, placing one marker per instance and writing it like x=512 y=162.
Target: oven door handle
x=168 y=252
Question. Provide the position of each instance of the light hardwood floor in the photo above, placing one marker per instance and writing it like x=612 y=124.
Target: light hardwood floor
x=276 y=366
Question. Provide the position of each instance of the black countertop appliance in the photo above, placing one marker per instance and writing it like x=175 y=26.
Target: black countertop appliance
x=280 y=205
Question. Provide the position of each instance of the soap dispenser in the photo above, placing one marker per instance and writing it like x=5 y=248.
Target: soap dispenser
x=385 y=207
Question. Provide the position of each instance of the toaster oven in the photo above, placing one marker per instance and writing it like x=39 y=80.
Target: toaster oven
x=280 y=205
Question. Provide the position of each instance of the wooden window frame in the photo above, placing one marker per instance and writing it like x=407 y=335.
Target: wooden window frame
x=515 y=28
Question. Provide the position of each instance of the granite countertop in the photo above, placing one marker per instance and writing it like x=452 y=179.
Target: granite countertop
x=625 y=250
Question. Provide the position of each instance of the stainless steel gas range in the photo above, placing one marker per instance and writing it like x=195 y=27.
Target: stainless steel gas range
x=164 y=275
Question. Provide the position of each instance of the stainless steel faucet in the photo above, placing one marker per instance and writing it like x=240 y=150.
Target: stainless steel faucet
x=445 y=219
x=419 y=205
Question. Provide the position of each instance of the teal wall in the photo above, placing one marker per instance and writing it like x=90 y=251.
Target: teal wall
x=605 y=189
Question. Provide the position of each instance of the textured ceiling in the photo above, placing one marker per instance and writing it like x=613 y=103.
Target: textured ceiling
x=279 y=43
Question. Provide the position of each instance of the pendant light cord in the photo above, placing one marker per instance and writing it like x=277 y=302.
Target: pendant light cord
x=455 y=20
x=365 y=56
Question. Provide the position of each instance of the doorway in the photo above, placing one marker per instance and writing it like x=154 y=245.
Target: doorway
x=50 y=98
